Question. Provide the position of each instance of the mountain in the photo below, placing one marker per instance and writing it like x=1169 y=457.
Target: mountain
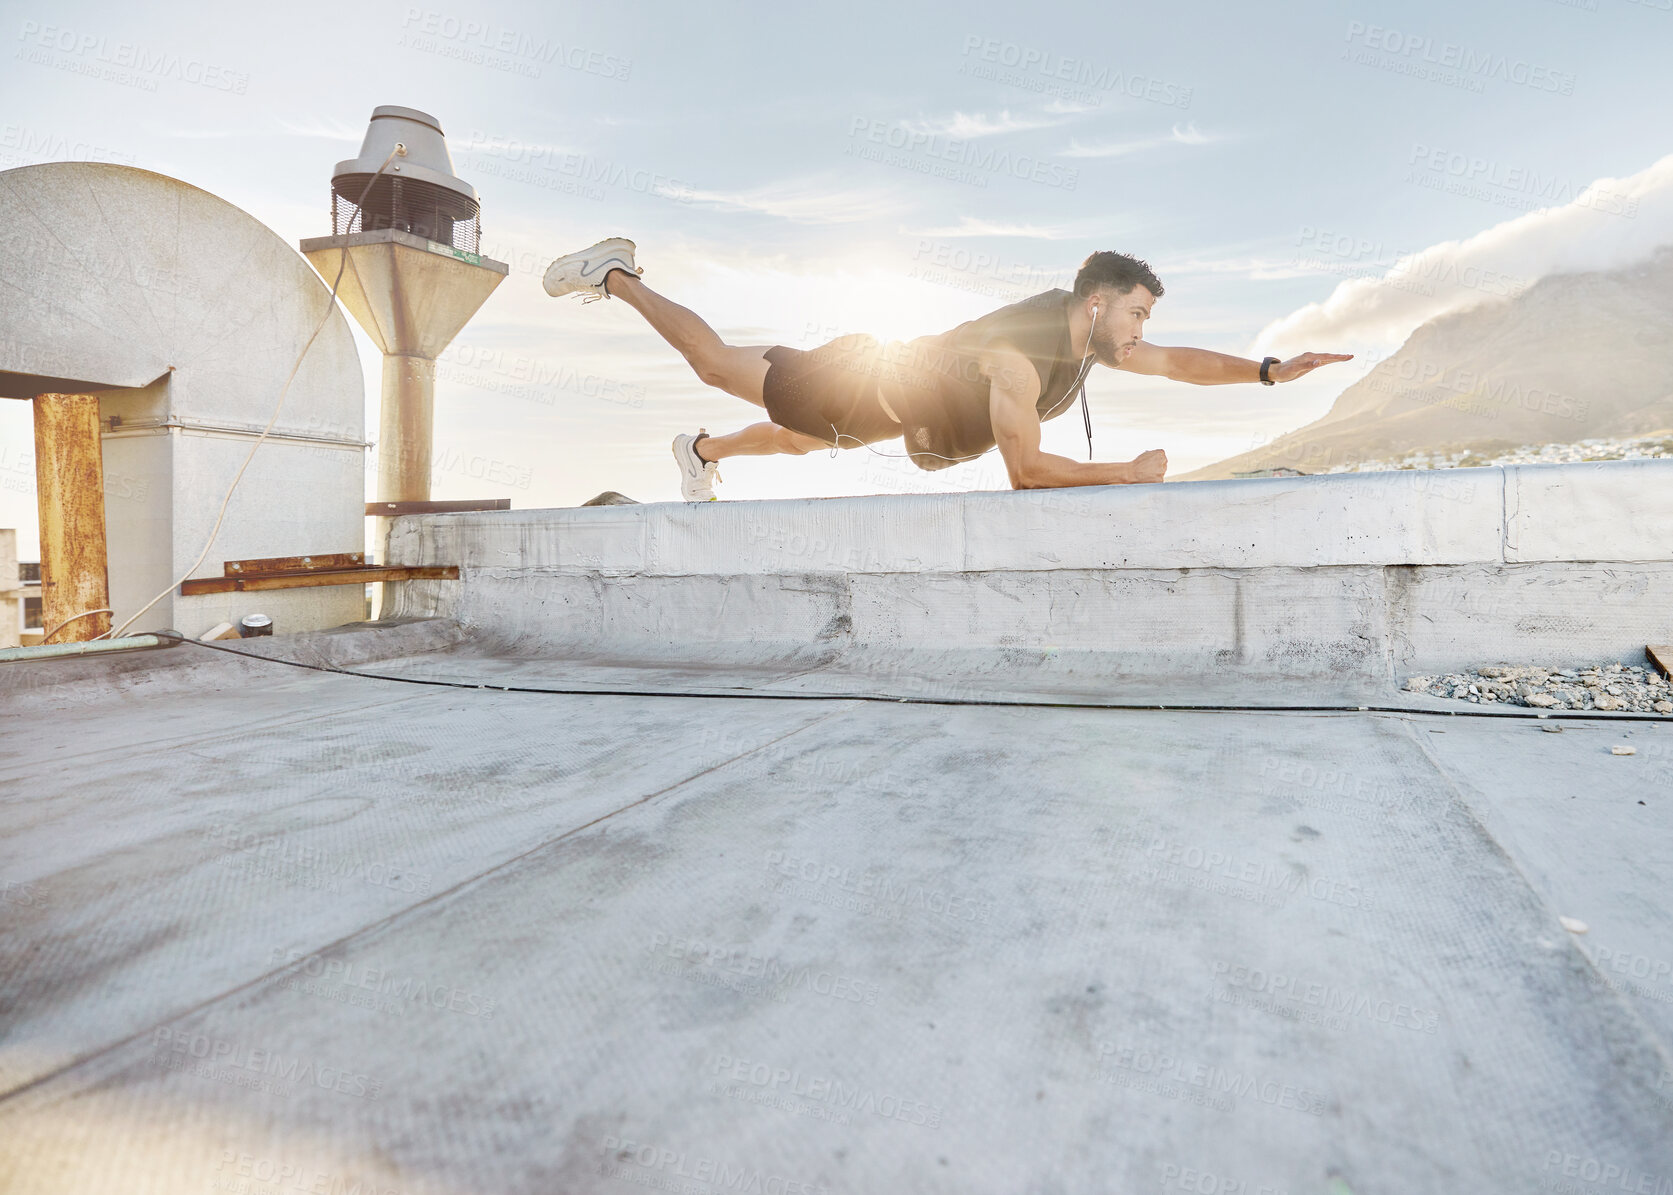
x=1572 y=357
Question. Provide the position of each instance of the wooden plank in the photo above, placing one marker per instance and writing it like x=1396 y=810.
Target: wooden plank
x=70 y=493
x=341 y=576
x=461 y=506
x=293 y=564
x=1662 y=658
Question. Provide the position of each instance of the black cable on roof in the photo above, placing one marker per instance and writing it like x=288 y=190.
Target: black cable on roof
x=757 y=694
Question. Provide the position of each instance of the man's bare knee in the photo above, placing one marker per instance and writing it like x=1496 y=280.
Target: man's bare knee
x=795 y=443
x=711 y=375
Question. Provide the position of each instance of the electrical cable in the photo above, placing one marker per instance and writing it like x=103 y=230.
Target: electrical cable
x=758 y=695
x=400 y=150
x=47 y=638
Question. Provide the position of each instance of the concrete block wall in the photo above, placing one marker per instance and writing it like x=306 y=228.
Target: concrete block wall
x=1353 y=579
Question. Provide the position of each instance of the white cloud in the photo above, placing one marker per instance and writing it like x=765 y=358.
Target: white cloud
x=1187 y=134
x=971 y=226
x=965 y=125
x=330 y=128
x=1259 y=268
x=1592 y=232
x=1069 y=107
x=804 y=201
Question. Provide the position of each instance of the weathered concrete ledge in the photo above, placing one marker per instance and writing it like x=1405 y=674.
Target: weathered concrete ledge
x=1359 y=578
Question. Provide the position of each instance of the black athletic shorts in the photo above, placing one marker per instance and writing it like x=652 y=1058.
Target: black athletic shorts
x=829 y=392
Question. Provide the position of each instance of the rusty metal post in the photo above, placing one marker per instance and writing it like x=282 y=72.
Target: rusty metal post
x=70 y=483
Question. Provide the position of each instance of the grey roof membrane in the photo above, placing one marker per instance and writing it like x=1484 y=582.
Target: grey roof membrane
x=267 y=929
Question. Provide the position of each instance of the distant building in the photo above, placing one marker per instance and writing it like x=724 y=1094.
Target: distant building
x=1280 y=471
x=11 y=591
x=29 y=576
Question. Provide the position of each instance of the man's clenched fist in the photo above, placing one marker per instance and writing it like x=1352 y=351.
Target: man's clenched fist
x=1150 y=466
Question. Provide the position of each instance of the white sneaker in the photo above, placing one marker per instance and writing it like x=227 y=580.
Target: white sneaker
x=697 y=476
x=586 y=270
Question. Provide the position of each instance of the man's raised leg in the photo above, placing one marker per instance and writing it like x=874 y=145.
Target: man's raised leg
x=736 y=370
x=608 y=270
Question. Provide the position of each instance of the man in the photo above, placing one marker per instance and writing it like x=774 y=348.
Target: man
x=988 y=383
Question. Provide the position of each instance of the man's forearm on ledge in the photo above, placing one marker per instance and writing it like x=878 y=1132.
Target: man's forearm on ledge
x=1048 y=471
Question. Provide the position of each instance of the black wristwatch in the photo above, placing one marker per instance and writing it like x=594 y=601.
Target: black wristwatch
x=1265 y=364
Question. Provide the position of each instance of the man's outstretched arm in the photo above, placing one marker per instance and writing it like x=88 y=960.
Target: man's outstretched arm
x=1202 y=367
x=1016 y=427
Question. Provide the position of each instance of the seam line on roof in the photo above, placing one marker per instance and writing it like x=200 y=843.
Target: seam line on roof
x=1646 y=1031
x=389 y=919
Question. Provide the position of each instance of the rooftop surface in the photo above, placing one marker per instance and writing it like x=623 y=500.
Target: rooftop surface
x=791 y=919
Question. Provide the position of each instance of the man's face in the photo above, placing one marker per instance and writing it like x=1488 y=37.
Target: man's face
x=1120 y=324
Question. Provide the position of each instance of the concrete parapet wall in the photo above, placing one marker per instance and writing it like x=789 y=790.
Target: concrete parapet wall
x=1356 y=578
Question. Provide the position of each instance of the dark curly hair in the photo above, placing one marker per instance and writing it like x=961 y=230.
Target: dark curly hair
x=1118 y=270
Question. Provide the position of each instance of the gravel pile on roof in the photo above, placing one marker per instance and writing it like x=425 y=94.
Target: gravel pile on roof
x=1620 y=687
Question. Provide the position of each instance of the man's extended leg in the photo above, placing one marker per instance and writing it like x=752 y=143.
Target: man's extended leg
x=736 y=370
x=607 y=269
x=758 y=439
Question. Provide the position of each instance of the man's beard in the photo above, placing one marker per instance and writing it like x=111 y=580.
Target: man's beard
x=1106 y=349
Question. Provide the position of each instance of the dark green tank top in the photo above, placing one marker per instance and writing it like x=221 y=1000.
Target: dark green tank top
x=942 y=396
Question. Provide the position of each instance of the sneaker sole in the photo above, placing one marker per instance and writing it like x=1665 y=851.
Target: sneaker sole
x=612 y=248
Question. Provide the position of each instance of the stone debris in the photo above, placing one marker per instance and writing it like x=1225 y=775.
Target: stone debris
x=1622 y=687
x=1623 y=749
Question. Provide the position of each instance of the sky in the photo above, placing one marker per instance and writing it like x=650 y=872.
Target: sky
x=1309 y=176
